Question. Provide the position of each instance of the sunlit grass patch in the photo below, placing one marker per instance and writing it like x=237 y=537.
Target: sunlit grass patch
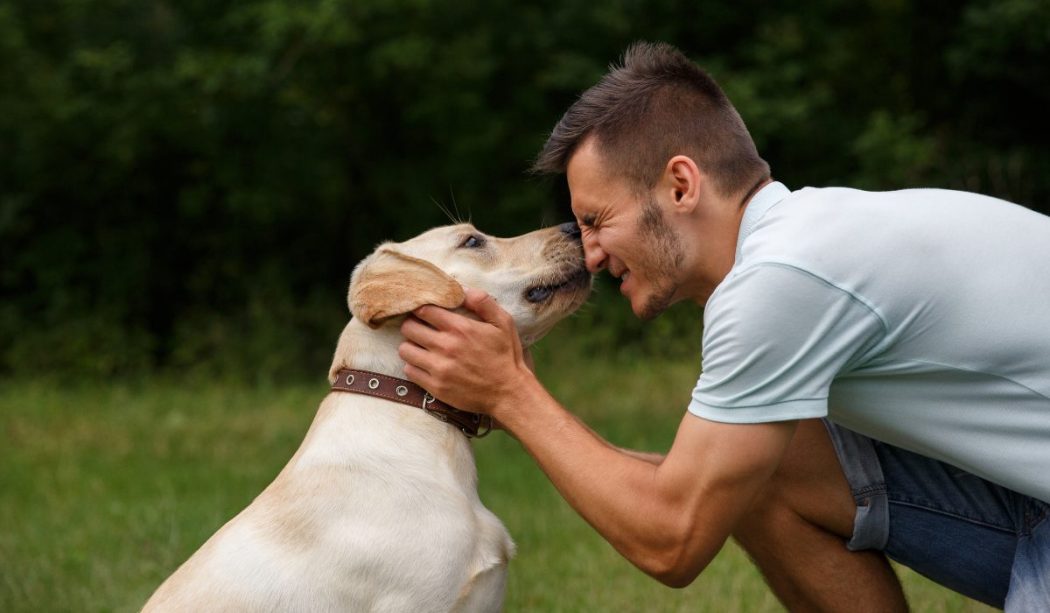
x=106 y=488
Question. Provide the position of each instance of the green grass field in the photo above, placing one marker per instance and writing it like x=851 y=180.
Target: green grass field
x=106 y=488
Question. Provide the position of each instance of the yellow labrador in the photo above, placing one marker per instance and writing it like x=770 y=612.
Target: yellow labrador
x=378 y=509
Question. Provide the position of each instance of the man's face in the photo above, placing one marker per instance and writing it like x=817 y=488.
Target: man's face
x=625 y=233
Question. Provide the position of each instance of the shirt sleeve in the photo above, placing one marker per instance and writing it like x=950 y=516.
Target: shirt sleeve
x=775 y=337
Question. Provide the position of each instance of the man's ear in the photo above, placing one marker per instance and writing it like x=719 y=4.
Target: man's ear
x=389 y=283
x=682 y=177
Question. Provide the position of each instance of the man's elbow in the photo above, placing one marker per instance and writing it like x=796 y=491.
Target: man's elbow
x=676 y=578
x=681 y=543
x=674 y=568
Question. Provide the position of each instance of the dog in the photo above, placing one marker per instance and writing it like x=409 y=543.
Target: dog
x=378 y=509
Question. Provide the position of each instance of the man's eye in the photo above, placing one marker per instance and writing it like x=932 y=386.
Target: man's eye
x=473 y=242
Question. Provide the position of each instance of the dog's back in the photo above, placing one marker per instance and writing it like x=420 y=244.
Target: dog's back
x=377 y=511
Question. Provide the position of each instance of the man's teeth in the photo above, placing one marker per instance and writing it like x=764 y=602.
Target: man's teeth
x=623 y=278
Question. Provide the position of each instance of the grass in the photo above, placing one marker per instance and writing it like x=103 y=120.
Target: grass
x=106 y=488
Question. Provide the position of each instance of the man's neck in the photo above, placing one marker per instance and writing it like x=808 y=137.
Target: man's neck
x=751 y=192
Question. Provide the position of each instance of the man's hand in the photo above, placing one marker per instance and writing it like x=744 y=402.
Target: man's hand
x=466 y=363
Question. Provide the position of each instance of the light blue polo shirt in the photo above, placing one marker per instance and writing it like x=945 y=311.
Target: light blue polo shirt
x=919 y=317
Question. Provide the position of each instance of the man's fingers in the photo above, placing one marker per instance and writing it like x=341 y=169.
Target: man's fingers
x=419 y=376
x=415 y=357
x=486 y=307
x=419 y=333
x=437 y=317
x=419 y=365
x=422 y=369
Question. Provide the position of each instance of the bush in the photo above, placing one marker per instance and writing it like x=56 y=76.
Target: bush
x=180 y=177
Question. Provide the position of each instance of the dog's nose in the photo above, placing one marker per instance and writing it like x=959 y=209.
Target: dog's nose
x=571 y=229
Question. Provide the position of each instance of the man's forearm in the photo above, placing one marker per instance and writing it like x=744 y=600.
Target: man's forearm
x=618 y=492
x=645 y=456
x=650 y=457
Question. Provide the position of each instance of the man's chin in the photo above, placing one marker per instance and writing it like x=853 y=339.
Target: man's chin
x=652 y=305
x=649 y=313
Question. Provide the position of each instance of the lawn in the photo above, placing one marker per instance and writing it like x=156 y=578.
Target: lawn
x=106 y=487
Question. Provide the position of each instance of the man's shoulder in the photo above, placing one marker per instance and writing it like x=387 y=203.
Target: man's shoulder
x=771 y=294
x=912 y=201
x=852 y=227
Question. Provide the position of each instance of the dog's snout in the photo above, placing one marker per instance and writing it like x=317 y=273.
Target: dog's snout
x=571 y=229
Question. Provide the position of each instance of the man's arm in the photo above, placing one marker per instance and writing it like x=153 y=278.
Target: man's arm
x=645 y=456
x=669 y=519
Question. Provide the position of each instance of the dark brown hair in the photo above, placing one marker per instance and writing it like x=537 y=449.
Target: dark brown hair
x=658 y=104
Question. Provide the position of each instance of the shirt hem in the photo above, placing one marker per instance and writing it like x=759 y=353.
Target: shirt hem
x=781 y=411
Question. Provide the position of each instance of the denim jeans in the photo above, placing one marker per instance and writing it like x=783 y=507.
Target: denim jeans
x=968 y=534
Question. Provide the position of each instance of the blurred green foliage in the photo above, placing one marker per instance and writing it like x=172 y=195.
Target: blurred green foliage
x=187 y=185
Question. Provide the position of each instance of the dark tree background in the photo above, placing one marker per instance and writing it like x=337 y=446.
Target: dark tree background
x=187 y=185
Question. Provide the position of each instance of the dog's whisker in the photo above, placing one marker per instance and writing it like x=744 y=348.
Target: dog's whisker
x=470 y=212
x=445 y=210
x=455 y=205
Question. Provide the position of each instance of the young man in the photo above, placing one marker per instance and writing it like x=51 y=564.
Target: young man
x=918 y=319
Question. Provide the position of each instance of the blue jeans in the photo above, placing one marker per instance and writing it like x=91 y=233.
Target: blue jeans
x=970 y=535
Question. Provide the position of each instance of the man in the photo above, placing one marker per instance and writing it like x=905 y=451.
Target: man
x=918 y=319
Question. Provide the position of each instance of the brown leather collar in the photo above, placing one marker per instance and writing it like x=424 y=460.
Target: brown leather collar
x=474 y=425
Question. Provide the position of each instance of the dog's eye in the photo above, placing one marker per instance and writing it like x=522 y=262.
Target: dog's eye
x=473 y=242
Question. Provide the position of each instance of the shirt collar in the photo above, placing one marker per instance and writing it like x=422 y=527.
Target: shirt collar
x=763 y=200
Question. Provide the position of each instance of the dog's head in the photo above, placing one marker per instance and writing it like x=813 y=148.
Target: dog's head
x=538 y=278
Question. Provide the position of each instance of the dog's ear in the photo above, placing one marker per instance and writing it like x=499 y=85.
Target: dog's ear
x=390 y=283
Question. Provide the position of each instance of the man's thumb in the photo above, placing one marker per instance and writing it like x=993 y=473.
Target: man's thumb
x=483 y=305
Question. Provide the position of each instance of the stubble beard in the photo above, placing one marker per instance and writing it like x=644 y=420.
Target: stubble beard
x=662 y=262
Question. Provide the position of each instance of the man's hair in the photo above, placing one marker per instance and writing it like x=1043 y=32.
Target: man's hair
x=658 y=104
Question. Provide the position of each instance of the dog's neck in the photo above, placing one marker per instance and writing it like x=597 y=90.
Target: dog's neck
x=364 y=348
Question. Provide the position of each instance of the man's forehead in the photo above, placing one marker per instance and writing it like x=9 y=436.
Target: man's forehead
x=586 y=160
x=586 y=177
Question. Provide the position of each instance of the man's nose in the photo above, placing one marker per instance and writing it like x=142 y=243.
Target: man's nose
x=571 y=229
x=593 y=255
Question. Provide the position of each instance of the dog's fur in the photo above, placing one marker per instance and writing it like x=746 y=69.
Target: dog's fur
x=378 y=509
